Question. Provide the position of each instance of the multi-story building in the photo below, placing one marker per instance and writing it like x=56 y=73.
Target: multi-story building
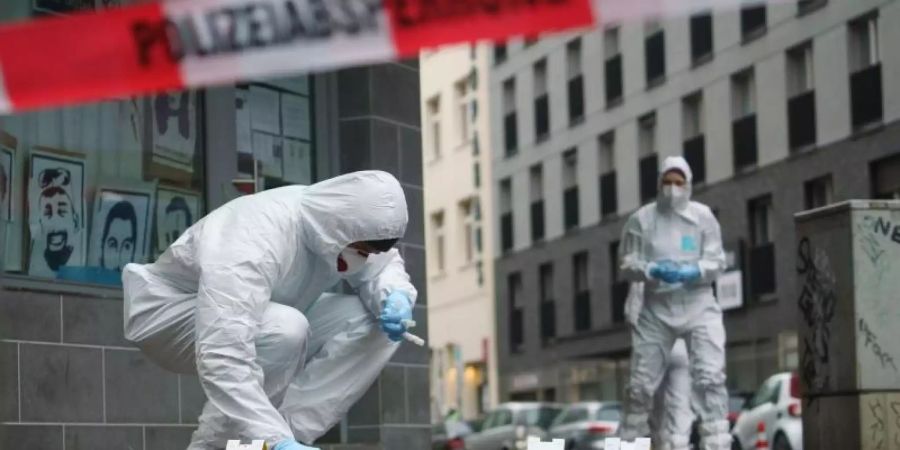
x=778 y=108
x=456 y=165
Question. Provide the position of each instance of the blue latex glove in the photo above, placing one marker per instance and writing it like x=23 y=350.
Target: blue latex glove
x=666 y=271
x=290 y=444
x=689 y=273
x=395 y=310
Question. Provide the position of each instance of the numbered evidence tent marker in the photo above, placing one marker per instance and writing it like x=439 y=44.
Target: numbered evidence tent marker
x=534 y=443
x=254 y=445
x=618 y=444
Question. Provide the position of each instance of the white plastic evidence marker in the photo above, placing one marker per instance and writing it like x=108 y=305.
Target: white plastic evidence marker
x=254 y=445
x=618 y=444
x=534 y=443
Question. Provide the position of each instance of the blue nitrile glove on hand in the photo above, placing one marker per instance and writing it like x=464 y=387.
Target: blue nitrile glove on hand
x=396 y=310
x=689 y=273
x=290 y=444
x=666 y=271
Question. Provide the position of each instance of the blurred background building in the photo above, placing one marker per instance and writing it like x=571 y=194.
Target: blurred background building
x=778 y=108
x=459 y=234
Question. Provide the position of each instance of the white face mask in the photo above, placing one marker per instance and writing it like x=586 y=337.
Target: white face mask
x=350 y=261
x=675 y=196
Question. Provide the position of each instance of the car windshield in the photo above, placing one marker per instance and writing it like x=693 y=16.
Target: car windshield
x=610 y=413
x=457 y=428
x=541 y=417
x=736 y=403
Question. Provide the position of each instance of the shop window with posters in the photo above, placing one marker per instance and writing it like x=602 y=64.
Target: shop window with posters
x=87 y=189
x=275 y=134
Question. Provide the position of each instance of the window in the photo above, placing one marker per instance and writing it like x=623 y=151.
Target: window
x=575 y=86
x=465 y=109
x=499 y=53
x=767 y=393
x=761 y=221
x=476 y=175
x=807 y=6
x=581 y=284
x=510 y=125
x=613 y=67
x=654 y=53
x=886 y=178
x=541 y=101
x=470 y=212
x=701 y=37
x=866 y=95
x=536 y=175
x=438 y=233
x=800 y=70
x=611 y=413
x=60 y=217
x=516 y=312
x=801 y=97
x=694 y=140
x=548 y=305
x=434 y=126
x=762 y=242
x=753 y=22
x=648 y=161
x=743 y=94
x=607 y=169
x=570 y=186
x=573 y=415
x=864 y=45
x=692 y=106
x=744 y=134
x=819 y=192
x=506 y=217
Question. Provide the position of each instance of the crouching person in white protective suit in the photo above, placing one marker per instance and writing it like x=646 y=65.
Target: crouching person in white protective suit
x=238 y=299
x=671 y=417
x=674 y=246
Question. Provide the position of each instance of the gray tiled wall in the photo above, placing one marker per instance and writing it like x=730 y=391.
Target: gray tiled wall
x=378 y=119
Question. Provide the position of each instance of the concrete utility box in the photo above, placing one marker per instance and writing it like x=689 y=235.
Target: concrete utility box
x=848 y=285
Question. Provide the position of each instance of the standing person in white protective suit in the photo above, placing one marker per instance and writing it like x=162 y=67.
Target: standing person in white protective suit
x=671 y=417
x=674 y=246
x=238 y=299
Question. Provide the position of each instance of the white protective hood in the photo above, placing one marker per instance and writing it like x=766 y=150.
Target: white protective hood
x=359 y=206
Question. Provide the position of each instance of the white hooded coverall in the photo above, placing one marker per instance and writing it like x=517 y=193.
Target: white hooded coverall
x=684 y=233
x=238 y=299
x=671 y=417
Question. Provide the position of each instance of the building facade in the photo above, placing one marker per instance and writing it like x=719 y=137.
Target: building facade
x=87 y=189
x=779 y=108
x=459 y=236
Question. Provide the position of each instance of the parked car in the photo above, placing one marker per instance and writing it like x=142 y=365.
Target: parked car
x=777 y=404
x=448 y=435
x=586 y=425
x=508 y=426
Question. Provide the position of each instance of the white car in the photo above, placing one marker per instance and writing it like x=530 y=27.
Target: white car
x=776 y=403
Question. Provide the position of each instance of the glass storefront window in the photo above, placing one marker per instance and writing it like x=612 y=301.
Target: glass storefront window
x=88 y=189
x=275 y=133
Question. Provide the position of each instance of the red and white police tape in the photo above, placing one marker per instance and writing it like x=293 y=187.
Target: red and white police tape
x=175 y=44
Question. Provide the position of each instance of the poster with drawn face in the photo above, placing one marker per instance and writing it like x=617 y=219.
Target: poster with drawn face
x=176 y=211
x=175 y=129
x=120 y=229
x=56 y=212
